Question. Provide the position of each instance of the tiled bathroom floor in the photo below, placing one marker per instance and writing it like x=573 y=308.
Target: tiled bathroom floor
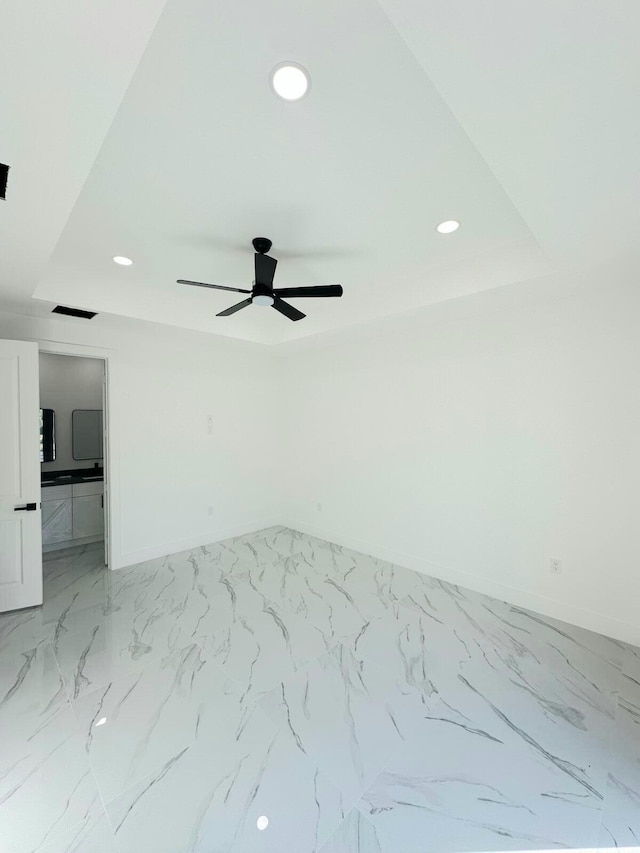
x=358 y=706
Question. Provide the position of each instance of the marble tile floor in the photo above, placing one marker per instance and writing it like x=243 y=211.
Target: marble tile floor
x=359 y=706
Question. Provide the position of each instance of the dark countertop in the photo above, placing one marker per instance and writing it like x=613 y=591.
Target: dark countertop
x=68 y=478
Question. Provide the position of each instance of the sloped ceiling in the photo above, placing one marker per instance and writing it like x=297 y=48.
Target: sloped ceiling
x=64 y=67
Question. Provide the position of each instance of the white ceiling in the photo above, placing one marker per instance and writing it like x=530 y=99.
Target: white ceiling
x=548 y=91
x=521 y=120
x=64 y=68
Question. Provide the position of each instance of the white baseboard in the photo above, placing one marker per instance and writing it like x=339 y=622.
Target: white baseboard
x=205 y=538
x=628 y=632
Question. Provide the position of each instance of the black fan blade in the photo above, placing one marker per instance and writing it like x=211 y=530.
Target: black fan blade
x=286 y=309
x=213 y=286
x=320 y=290
x=237 y=307
x=265 y=270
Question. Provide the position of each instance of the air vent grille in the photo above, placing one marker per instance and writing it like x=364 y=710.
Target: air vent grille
x=4 y=177
x=73 y=312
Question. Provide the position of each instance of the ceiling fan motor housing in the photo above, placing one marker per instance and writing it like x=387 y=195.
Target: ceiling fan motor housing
x=262 y=245
x=262 y=290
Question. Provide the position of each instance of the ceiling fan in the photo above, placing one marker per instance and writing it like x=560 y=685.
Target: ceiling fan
x=263 y=292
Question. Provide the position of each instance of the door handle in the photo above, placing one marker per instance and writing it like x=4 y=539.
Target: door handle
x=26 y=508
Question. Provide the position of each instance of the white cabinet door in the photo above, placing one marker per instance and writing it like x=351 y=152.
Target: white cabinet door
x=88 y=516
x=56 y=521
x=20 y=534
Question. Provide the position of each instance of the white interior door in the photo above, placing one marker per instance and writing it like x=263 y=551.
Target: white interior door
x=106 y=486
x=20 y=530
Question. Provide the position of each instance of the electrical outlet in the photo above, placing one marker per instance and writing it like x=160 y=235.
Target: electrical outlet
x=210 y=510
x=210 y=424
x=555 y=566
x=319 y=507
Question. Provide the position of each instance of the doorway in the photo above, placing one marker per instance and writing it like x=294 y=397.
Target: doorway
x=73 y=408
x=26 y=437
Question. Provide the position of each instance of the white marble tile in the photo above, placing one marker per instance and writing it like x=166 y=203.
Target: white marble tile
x=75 y=582
x=386 y=581
x=512 y=634
x=147 y=613
x=402 y=643
x=230 y=601
x=265 y=644
x=316 y=555
x=455 y=722
x=92 y=835
x=621 y=816
x=89 y=589
x=259 y=549
x=458 y=788
x=325 y=558
x=323 y=602
x=347 y=718
x=152 y=613
x=354 y=835
x=22 y=629
x=94 y=647
x=209 y=797
x=46 y=783
x=230 y=559
x=500 y=694
x=631 y=664
x=556 y=682
x=566 y=684
x=176 y=583
x=31 y=687
x=62 y=563
x=135 y=724
x=256 y=551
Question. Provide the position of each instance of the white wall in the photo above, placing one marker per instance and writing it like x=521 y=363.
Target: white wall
x=168 y=470
x=474 y=444
x=66 y=384
x=477 y=446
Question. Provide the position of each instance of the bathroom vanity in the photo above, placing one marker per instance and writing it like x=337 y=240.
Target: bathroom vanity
x=72 y=499
x=72 y=508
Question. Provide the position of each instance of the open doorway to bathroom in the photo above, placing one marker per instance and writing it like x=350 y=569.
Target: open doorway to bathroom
x=73 y=404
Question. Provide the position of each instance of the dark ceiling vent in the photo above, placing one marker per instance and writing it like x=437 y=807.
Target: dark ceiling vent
x=4 y=176
x=73 y=312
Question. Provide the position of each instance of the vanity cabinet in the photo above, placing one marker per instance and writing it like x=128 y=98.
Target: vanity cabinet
x=88 y=513
x=56 y=515
x=73 y=512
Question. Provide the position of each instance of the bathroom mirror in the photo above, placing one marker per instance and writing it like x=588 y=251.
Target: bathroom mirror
x=47 y=435
x=86 y=433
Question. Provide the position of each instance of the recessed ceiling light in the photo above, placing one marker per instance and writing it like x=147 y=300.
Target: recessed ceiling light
x=448 y=227
x=124 y=262
x=262 y=822
x=290 y=81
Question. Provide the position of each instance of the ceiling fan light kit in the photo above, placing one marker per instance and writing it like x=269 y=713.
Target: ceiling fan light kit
x=263 y=299
x=263 y=293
